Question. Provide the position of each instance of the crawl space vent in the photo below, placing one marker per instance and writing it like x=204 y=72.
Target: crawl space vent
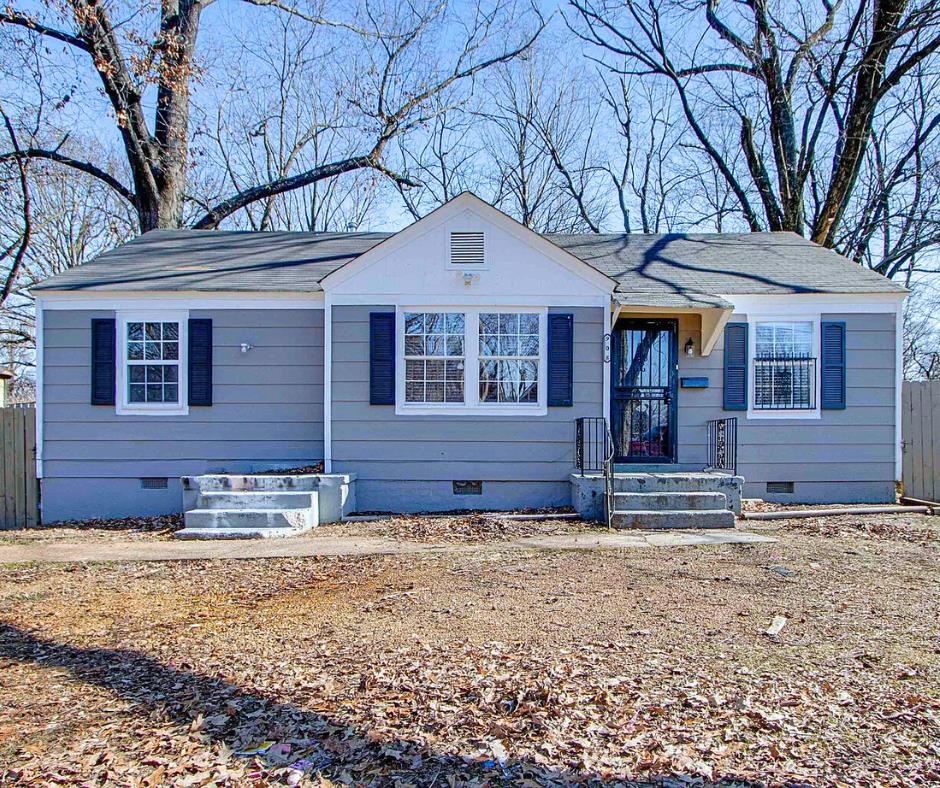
x=467 y=248
x=468 y=488
x=153 y=483
x=780 y=487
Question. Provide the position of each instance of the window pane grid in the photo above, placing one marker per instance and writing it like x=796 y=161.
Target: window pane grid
x=153 y=362
x=434 y=357
x=784 y=369
x=509 y=357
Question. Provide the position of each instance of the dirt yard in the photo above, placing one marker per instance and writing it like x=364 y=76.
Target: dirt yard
x=485 y=669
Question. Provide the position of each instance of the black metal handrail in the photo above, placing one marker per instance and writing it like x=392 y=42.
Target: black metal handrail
x=594 y=451
x=723 y=445
x=784 y=383
x=591 y=443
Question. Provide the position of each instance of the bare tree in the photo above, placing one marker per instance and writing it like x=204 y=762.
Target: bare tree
x=399 y=84
x=921 y=336
x=74 y=218
x=16 y=250
x=446 y=159
x=525 y=143
x=803 y=86
x=539 y=143
x=283 y=110
x=892 y=224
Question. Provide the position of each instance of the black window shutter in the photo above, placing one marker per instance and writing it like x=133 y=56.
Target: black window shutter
x=735 y=371
x=833 y=365
x=200 y=361
x=103 y=343
x=382 y=358
x=561 y=360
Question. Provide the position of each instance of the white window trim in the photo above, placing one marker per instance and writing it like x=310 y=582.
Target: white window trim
x=471 y=405
x=752 y=320
x=125 y=408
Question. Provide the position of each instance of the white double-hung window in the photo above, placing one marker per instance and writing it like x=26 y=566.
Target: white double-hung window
x=785 y=356
x=151 y=367
x=509 y=357
x=470 y=361
x=434 y=357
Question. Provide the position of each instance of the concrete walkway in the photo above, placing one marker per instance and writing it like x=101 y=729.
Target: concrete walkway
x=304 y=546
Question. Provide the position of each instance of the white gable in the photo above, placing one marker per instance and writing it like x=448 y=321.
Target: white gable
x=518 y=265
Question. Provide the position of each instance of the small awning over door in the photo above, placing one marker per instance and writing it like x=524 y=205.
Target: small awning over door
x=713 y=310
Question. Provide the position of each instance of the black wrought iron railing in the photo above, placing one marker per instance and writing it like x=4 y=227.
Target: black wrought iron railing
x=785 y=383
x=723 y=445
x=594 y=452
x=592 y=444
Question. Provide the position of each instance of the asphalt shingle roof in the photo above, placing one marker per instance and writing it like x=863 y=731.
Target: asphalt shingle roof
x=722 y=263
x=218 y=260
x=678 y=269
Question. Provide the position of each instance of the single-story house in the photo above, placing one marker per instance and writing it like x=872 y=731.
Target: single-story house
x=453 y=364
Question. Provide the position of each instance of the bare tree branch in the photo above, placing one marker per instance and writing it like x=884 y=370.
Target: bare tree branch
x=88 y=168
x=27 y=215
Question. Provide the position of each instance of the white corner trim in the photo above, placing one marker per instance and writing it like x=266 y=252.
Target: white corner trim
x=328 y=385
x=189 y=300
x=471 y=405
x=607 y=328
x=122 y=406
x=898 y=389
x=466 y=300
x=40 y=390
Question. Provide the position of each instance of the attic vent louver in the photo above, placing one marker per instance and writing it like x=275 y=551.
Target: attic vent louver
x=467 y=248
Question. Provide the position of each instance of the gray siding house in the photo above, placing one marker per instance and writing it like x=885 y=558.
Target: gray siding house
x=446 y=365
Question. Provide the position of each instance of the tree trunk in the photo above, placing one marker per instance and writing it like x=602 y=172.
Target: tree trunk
x=858 y=125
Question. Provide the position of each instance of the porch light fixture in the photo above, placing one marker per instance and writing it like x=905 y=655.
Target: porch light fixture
x=246 y=347
x=690 y=347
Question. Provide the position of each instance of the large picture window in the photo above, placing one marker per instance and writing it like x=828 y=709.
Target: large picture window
x=784 y=366
x=151 y=373
x=471 y=361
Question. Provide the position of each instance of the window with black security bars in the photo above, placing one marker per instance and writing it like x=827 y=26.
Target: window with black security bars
x=784 y=366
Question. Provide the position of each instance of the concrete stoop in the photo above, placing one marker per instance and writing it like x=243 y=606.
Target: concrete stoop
x=662 y=500
x=229 y=506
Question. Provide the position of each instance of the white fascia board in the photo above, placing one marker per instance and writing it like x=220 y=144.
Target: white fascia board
x=463 y=202
x=406 y=299
x=846 y=303
x=192 y=300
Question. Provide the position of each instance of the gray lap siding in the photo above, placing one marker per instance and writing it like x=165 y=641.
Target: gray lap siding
x=846 y=455
x=409 y=462
x=267 y=412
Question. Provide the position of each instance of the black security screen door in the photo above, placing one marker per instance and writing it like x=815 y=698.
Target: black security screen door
x=643 y=380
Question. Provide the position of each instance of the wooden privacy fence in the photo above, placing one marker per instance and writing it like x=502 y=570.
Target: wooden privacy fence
x=920 y=430
x=18 y=496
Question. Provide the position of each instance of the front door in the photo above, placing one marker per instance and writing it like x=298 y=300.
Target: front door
x=644 y=370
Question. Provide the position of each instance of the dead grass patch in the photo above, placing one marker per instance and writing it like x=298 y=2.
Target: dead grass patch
x=472 y=669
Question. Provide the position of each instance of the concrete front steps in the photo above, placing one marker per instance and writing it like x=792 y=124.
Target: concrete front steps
x=654 y=497
x=229 y=506
x=675 y=500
